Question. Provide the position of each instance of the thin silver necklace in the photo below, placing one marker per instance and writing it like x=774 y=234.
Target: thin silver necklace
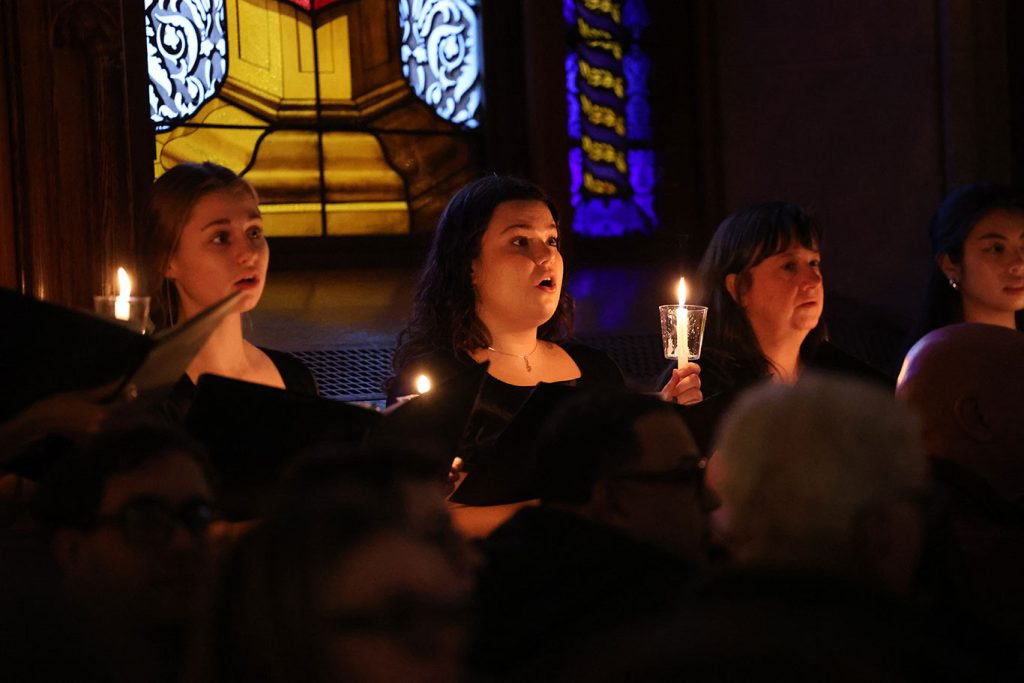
x=526 y=358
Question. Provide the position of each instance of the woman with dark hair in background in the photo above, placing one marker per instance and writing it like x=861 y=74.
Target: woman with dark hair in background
x=761 y=279
x=977 y=237
x=205 y=242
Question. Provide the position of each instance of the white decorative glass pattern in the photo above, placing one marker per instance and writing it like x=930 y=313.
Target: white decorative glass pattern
x=441 y=55
x=186 y=42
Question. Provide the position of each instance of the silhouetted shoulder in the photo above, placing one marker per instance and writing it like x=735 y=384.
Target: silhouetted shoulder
x=830 y=358
x=597 y=369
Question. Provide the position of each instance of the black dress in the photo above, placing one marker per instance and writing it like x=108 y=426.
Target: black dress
x=723 y=379
x=553 y=580
x=498 y=462
x=294 y=373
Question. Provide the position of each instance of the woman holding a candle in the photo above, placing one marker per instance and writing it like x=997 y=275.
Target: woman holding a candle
x=977 y=238
x=205 y=242
x=762 y=283
x=492 y=292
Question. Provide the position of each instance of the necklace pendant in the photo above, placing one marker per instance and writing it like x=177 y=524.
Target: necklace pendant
x=527 y=361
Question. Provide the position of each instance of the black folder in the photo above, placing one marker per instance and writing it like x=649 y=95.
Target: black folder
x=47 y=349
x=504 y=471
x=434 y=422
x=252 y=431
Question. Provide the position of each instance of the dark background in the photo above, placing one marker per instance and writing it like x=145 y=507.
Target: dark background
x=866 y=112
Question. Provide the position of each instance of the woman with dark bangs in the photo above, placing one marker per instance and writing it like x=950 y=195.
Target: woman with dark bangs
x=761 y=278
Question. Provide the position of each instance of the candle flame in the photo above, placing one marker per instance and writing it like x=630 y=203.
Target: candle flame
x=682 y=291
x=422 y=384
x=124 y=284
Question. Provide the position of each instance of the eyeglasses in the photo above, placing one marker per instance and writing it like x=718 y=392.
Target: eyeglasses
x=150 y=522
x=690 y=471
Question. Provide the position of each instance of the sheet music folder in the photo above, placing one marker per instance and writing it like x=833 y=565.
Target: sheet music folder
x=47 y=349
x=252 y=431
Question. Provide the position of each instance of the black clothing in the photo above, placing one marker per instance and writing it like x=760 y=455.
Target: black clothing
x=810 y=625
x=597 y=370
x=720 y=374
x=723 y=378
x=553 y=579
x=294 y=373
x=980 y=548
x=498 y=464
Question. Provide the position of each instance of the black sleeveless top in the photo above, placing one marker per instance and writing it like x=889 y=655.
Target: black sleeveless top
x=294 y=373
x=494 y=407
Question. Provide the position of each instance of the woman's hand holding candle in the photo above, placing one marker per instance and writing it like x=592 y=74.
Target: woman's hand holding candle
x=683 y=386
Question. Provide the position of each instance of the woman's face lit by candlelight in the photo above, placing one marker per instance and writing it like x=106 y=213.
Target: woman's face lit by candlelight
x=784 y=294
x=517 y=277
x=221 y=249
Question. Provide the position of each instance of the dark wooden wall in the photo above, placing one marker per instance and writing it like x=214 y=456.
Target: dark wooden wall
x=865 y=112
x=76 y=149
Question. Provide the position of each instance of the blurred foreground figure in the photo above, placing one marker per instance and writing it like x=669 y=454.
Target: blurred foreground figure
x=336 y=593
x=966 y=382
x=127 y=520
x=824 y=490
x=621 y=528
x=825 y=475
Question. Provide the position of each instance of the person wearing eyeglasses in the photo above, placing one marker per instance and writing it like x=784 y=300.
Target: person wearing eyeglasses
x=128 y=520
x=621 y=528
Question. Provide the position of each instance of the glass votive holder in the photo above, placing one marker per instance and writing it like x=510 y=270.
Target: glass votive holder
x=130 y=311
x=695 y=316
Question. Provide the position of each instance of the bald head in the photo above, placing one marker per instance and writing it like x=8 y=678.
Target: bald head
x=967 y=384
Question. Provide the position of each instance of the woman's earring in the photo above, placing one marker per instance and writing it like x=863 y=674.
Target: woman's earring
x=954 y=283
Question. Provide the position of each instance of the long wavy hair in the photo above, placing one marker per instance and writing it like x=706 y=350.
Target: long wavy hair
x=171 y=200
x=444 y=317
x=741 y=241
x=959 y=212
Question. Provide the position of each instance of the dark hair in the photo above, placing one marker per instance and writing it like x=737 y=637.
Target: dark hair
x=70 y=496
x=171 y=200
x=267 y=612
x=956 y=216
x=444 y=315
x=741 y=241
x=590 y=437
x=371 y=477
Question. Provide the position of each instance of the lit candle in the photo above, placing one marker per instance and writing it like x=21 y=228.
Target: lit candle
x=122 y=308
x=422 y=384
x=682 y=322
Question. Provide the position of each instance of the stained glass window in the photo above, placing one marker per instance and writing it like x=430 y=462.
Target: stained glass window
x=313 y=102
x=441 y=55
x=611 y=159
x=187 y=52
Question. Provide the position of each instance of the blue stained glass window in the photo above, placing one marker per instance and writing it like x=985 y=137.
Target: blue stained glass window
x=441 y=55
x=186 y=42
x=611 y=160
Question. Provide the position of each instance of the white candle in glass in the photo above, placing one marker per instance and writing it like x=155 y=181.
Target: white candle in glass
x=682 y=323
x=122 y=307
